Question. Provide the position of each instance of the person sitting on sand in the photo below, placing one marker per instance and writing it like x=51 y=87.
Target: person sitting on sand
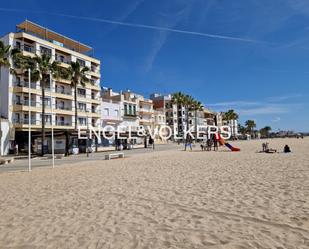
x=286 y=149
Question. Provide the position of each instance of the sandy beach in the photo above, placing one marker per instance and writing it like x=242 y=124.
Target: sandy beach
x=169 y=199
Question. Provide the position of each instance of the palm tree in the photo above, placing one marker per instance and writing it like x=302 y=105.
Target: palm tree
x=78 y=76
x=265 y=131
x=188 y=103
x=250 y=124
x=196 y=106
x=242 y=129
x=178 y=99
x=46 y=69
x=230 y=115
x=4 y=55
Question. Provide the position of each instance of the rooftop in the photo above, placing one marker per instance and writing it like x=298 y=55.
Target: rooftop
x=53 y=37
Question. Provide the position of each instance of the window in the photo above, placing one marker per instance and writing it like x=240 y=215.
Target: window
x=27 y=48
x=60 y=89
x=17 y=100
x=82 y=106
x=81 y=62
x=82 y=121
x=81 y=92
x=47 y=118
x=125 y=109
x=134 y=110
x=60 y=104
x=18 y=45
x=46 y=101
x=116 y=113
x=106 y=112
x=16 y=117
x=45 y=51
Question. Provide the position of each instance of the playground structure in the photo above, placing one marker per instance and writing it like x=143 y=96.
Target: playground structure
x=223 y=142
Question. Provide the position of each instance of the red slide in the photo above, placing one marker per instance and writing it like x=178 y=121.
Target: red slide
x=223 y=142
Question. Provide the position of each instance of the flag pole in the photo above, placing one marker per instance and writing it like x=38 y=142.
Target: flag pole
x=29 y=120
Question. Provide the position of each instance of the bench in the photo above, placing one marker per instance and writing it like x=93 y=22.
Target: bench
x=6 y=160
x=57 y=156
x=114 y=155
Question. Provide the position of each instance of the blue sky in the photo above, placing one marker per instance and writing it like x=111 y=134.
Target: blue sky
x=250 y=55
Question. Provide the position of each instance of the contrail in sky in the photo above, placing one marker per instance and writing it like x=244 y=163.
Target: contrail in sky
x=136 y=25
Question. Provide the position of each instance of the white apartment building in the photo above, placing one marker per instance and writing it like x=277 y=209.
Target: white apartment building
x=163 y=103
x=32 y=39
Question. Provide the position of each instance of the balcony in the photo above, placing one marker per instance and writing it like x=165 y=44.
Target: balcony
x=62 y=91
x=26 y=103
x=66 y=108
x=25 y=84
x=24 y=121
x=63 y=123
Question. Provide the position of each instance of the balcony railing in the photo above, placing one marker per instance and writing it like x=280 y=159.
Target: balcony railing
x=60 y=107
x=25 y=102
x=64 y=123
x=25 y=84
x=61 y=91
x=25 y=121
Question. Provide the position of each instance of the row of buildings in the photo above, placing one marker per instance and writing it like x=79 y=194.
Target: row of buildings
x=96 y=106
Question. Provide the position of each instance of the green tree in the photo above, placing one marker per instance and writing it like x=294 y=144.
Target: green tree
x=241 y=129
x=43 y=69
x=196 y=106
x=250 y=125
x=265 y=131
x=230 y=115
x=78 y=77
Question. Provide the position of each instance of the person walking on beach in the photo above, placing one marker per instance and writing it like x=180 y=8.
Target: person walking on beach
x=188 y=142
x=209 y=144
x=215 y=142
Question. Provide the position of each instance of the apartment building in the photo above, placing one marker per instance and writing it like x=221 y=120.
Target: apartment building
x=146 y=113
x=32 y=39
x=129 y=105
x=163 y=103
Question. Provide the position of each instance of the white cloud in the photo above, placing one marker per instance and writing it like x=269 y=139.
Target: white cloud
x=276 y=119
x=266 y=109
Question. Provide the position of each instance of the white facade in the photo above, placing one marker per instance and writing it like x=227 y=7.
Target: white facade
x=14 y=90
x=4 y=137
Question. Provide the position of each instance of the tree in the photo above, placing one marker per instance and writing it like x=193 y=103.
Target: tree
x=196 y=106
x=78 y=76
x=250 y=124
x=265 y=131
x=46 y=69
x=183 y=100
x=43 y=69
x=5 y=53
x=188 y=103
x=230 y=115
x=178 y=99
x=242 y=130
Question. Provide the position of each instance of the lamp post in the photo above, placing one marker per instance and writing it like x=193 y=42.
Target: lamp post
x=29 y=120
x=52 y=127
x=87 y=143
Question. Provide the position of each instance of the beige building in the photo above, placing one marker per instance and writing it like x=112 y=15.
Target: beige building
x=32 y=39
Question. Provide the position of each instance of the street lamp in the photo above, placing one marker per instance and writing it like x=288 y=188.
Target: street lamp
x=52 y=127
x=29 y=120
